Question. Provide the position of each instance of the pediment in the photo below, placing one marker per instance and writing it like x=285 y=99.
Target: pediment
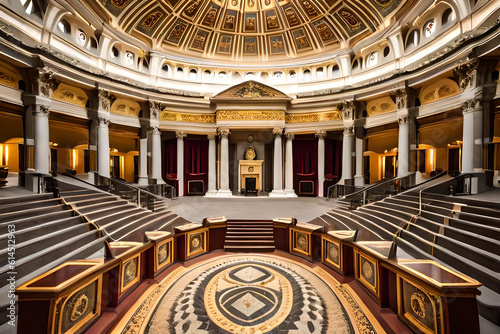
x=251 y=90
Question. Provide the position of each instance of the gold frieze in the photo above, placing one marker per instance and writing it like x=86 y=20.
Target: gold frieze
x=316 y=117
x=251 y=90
x=250 y=115
x=191 y=118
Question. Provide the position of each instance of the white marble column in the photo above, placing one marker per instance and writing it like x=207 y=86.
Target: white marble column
x=143 y=161
x=212 y=166
x=358 y=177
x=103 y=165
x=404 y=146
x=277 y=165
x=289 y=191
x=347 y=153
x=468 y=136
x=156 y=154
x=224 y=190
x=180 y=161
x=321 y=134
x=41 y=138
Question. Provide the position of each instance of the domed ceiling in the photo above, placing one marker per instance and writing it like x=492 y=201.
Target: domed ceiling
x=254 y=30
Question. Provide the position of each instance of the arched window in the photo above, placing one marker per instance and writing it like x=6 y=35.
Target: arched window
x=166 y=68
x=412 y=38
x=429 y=28
x=371 y=60
x=180 y=71
x=335 y=71
x=319 y=72
x=387 y=50
x=207 y=73
x=81 y=37
x=307 y=75
x=250 y=75
x=193 y=74
x=264 y=76
x=222 y=75
x=278 y=74
x=447 y=16
x=64 y=27
x=292 y=74
x=129 y=58
x=355 y=65
x=115 y=52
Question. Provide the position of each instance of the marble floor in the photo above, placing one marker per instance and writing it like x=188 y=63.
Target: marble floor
x=251 y=293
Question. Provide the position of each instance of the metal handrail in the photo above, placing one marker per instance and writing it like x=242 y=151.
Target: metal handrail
x=132 y=193
x=341 y=190
x=381 y=190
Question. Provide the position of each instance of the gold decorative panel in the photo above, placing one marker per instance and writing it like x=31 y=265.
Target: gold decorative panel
x=125 y=107
x=130 y=272
x=78 y=309
x=301 y=242
x=332 y=252
x=163 y=254
x=380 y=106
x=251 y=89
x=70 y=94
x=316 y=117
x=439 y=90
x=9 y=75
x=196 y=243
x=420 y=307
x=192 y=118
x=250 y=115
x=367 y=272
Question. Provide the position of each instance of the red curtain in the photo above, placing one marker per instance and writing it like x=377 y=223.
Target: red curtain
x=305 y=162
x=195 y=162
x=333 y=157
x=170 y=157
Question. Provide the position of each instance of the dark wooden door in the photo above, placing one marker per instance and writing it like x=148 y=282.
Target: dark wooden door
x=389 y=167
x=268 y=167
x=115 y=171
x=453 y=161
x=366 y=167
x=53 y=159
x=421 y=161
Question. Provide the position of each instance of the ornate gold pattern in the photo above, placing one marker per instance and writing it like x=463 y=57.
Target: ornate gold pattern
x=362 y=322
x=250 y=115
x=418 y=304
x=250 y=154
x=439 y=90
x=251 y=89
x=80 y=305
x=366 y=270
x=191 y=118
x=380 y=106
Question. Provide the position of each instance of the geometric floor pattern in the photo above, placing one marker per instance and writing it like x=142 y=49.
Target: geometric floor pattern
x=251 y=294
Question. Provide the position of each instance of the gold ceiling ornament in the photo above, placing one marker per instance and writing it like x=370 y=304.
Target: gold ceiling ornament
x=438 y=90
x=125 y=107
x=80 y=305
x=250 y=90
x=250 y=153
x=250 y=115
x=70 y=94
x=313 y=118
x=191 y=118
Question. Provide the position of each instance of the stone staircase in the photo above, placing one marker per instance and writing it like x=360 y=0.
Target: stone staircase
x=249 y=236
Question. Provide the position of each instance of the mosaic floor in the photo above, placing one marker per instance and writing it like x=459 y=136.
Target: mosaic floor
x=250 y=294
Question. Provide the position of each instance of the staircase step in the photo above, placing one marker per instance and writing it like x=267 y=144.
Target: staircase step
x=249 y=248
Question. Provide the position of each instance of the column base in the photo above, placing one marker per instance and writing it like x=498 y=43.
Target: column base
x=143 y=181
x=160 y=181
x=277 y=193
x=224 y=193
x=359 y=180
x=290 y=193
x=211 y=193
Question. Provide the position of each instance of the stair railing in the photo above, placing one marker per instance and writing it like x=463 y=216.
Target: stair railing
x=131 y=193
x=341 y=190
x=381 y=190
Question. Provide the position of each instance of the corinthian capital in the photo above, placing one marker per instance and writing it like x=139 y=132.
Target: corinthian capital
x=154 y=129
x=155 y=109
x=348 y=109
x=401 y=98
x=180 y=134
x=469 y=105
x=46 y=82
x=403 y=119
x=101 y=121
x=320 y=134
x=277 y=131
x=466 y=72
x=224 y=131
x=289 y=135
x=211 y=136
x=41 y=110
x=105 y=99
x=349 y=131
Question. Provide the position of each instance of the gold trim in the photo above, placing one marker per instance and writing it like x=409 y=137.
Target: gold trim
x=170 y=246
x=324 y=251
x=435 y=300
x=293 y=244
x=124 y=288
x=314 y=118
x=250 y=115
x=470 y=282
x=203 y=247
x=58 y=312
x=375 y=287
x=190 y=118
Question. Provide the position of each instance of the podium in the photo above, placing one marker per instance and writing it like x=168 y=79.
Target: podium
x=250 y=169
